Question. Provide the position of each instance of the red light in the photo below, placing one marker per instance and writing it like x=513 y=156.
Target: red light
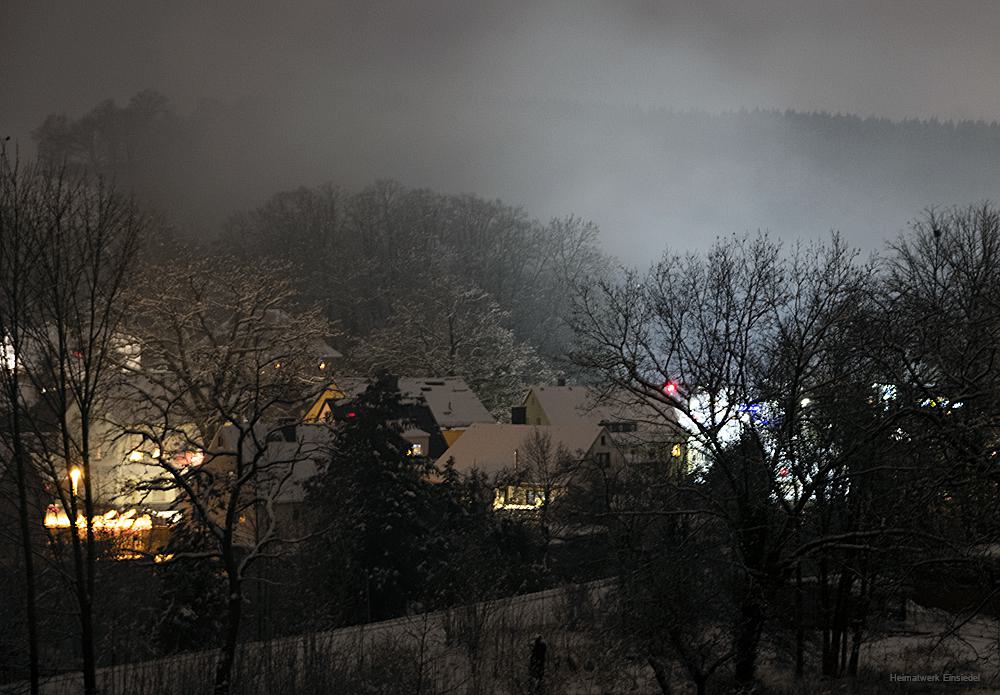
x=670 y=388
x=351 y=413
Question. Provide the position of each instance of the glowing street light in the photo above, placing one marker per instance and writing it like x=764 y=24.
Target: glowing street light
x=670 y=388
x=74 y=478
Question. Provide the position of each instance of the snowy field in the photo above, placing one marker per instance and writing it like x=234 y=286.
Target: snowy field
x=484 y=648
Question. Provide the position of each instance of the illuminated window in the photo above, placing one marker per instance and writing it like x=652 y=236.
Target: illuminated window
x=416 y=450
x=675 y=451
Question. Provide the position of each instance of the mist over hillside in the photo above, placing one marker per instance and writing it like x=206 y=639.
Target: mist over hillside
x=648 y=178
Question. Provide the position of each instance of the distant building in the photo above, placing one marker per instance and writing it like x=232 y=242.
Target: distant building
x=509 y=456
x=644 y=433
x=437 y=410
x=454 y=405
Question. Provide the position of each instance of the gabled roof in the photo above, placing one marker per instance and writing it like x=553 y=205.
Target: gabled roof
x=569 y=405
x=450 y=399
x=490 y=448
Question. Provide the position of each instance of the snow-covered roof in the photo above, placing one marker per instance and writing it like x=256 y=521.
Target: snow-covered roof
x=414 y=433
x=490 y=448
x=569 y=405
x=450 y=399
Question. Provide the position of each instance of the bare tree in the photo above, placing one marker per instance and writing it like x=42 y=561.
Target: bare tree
x=20 y=192
x=941 y=333
x=229 y=370
x=64 y=325
x=740 y=341
x=455 y=329
x=677 y=600
x=546 y=469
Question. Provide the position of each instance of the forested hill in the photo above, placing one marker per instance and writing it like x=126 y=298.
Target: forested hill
x=645 y=177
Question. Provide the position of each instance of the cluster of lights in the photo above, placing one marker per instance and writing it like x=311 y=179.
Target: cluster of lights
x=110 y=521
x=136 y=455
x=669 y=388
x=533 y=498
x=183 y=458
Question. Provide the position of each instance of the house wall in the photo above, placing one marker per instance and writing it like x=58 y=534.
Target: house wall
x=607 y=448
x=534 y=414
x=451 y=436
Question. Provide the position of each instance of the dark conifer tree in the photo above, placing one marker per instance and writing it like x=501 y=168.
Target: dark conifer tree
x=377 y=505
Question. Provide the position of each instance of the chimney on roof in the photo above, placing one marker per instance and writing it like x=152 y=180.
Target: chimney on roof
x=561 y=381
x=518 y=415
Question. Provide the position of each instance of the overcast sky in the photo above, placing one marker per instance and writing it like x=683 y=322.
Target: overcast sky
x=895 y=58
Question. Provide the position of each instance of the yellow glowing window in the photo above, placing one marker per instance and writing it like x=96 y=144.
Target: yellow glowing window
x=416 y=450
x=676 y=451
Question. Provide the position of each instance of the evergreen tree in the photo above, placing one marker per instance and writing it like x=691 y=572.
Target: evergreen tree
x=376 y=504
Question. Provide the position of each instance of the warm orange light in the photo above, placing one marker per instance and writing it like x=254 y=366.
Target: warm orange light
x=111 y=521
x=74 y=477
x=322 y=365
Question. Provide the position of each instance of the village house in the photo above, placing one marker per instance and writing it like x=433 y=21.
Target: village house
x=129 y=443
x=437 y=410
x=530 y=464
x=643 y=434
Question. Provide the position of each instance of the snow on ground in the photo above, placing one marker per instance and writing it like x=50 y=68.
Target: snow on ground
x=484 y=647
